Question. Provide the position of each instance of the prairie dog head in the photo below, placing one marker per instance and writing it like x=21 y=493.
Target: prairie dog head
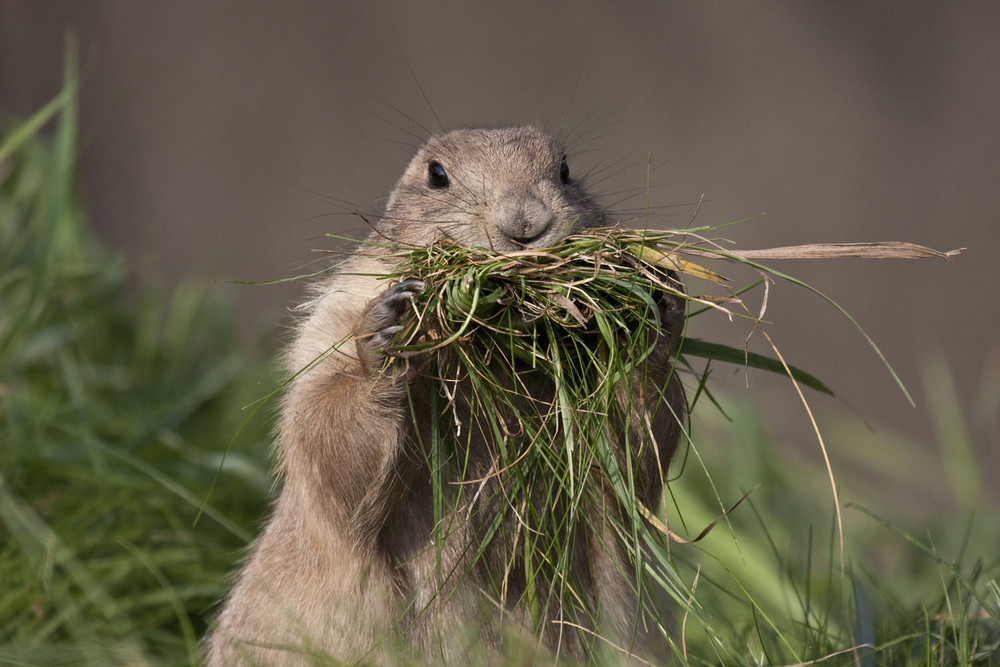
x=504 y=189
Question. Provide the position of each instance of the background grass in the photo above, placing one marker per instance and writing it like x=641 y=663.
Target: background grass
x=117 y=401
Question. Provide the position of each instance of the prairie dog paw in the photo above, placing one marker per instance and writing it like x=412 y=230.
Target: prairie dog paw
x=378 y=322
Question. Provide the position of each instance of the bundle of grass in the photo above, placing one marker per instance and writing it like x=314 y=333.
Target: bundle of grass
x=541 y=354
x=605 y=283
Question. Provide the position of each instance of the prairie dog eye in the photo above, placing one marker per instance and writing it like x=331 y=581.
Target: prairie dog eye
x=564 y=172
x=437 y=177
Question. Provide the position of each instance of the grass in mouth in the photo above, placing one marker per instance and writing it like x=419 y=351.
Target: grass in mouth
x=584 y=315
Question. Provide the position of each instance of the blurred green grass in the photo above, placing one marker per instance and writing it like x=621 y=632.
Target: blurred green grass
x=918 y=590
x=118 y=399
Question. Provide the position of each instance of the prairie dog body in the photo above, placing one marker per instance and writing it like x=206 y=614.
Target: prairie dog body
x=346 y=567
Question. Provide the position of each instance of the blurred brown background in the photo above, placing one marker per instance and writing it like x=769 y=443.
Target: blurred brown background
x=217 y=137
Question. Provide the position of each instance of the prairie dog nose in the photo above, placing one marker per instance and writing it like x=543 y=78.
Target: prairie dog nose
x=522 y=218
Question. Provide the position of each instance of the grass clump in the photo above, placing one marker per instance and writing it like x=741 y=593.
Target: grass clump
x=585 y=315
x=550 y=346
x=545 y=355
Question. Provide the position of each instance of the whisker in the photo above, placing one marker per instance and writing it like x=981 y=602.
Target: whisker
x=420 y=139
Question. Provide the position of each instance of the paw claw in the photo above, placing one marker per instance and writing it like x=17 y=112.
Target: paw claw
x=401 y=292
x=382 y=338
x=380 y=320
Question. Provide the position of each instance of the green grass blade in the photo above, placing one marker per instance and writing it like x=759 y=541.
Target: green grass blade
x=718 y=352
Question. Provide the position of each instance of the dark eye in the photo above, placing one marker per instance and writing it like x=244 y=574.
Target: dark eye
x=564 y=172
x=437 y=176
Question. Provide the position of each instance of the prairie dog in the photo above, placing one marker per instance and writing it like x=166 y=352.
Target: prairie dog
x=345 y=568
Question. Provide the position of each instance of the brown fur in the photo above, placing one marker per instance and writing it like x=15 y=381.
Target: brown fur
x=346 y=563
